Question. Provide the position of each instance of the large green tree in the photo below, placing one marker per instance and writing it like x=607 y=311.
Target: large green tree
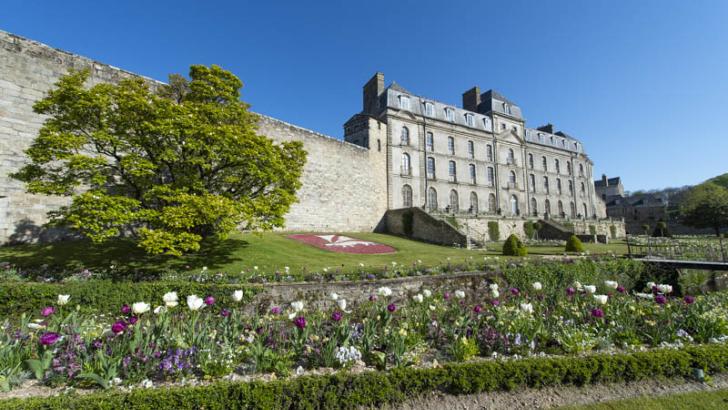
x=167 y=164
x=706 y=206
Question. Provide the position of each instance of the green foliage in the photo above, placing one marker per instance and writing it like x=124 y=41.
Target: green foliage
x=513 y=246
x=706 y=206
x=168 y=164
x=376 y=389
x=646 y=228
x=661 y=230
x=592 y=230
x=573 y=244
x=493 y=231
x=613 y=231
x=530 y=228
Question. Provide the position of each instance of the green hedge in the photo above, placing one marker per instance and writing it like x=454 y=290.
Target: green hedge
x=374 y=389
x=103 y=296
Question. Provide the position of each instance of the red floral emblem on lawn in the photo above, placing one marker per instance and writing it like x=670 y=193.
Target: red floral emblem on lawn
x=342 y=244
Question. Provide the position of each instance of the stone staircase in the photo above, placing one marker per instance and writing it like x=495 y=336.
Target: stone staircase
x=551 y=229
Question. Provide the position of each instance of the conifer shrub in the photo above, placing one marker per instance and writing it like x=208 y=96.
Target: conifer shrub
x=573 y=244
x=493 y=231
x=514 y=247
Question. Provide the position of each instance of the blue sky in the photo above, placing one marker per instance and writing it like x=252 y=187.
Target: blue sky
x=644 y=84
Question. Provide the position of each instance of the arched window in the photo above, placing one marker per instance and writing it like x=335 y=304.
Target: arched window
x=491 y=203
x=585 y=214
x=430 y=168
x=404 y=138
x=451 y=145
x=511 y=157
x=490 y=177
x=473 y=203
x=452 y=170
x=530 y=161
x=561 y=209
x=432 y=199
x=406 y=196
x=547 y=207
x=489 y=152
x=557 y=166
x=546 y=184
x=471 y=168
x=514 y=205
x=406 y=170
x=583 y=190
x=430 y=142
x=558 y=186
x=544 y=163
x=571 y=188
x=568 y=168
x=534 y=206
x=573 y=209
x=533 y=182
x=471 y=149
x=512 y=179
x=454 y=202
x=581 y=170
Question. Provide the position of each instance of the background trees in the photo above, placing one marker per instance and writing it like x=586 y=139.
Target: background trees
x=706 y=206
x=166 y=164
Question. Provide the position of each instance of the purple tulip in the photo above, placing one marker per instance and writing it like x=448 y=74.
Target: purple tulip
x=570 y=291
x=275 y=310
x=96 y=344
x=118 y=327
x=598 y=313
x=621 y=289
x=49 y=338
x=446 y=295
x=336 y=316
x=689 y=300
x=477 y=309
x=391 y=307
x=372 y=298
x=47 y=311
x=300 y=322
x=224 y=313
x=126 y=309
x=515 y=291
x=660 y=299
x=133 y=320
x=209 y=300
x=495 y=302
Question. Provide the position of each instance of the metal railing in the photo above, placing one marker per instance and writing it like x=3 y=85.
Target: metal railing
x=698 y=249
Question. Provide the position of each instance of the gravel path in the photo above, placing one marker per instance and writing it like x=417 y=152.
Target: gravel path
x=553 y=397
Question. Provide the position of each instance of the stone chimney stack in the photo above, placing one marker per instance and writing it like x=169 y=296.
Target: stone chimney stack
x=471 y=99
x=372 y=90
x=605 y=181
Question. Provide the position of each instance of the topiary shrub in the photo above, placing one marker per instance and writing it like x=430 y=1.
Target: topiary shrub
x=529 y=229
x=646 y=229
x=514 y=247
x=661 y=230
x=592 y=230
x=493 y=231
x=613 y=231
x=573 y=244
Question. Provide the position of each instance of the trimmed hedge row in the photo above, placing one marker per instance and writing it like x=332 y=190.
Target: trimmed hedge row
x=104 y=296
x=375 y=389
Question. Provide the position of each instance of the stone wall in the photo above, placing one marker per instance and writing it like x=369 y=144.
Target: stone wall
x=422 y=227
x=344 y=185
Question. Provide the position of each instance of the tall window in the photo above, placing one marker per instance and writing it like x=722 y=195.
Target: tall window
x=406 y=170
x=532 y=180
x=545 y=164
x=432 y=199
x=486 y=123
x=546 y=185
x=473 y=203
x=471 y=168
x=571 y=189
x=404 y=138
x=491 y=203
x=530 y=161
x=558 y=186
x=585 y=214
x=452 y=171
x=429 y=109
x=430 y=168
x=534 y=206
x=489 y=152
x=454 y=202
x=573 y=209
x=511 y=157
x=581 y=170
x=490 y=176
x=547 y=206
x=450 y=114
x=561 y=209
x=514 y=205
x=471 y=149
x=512 y=179
x=469 y=120
x=406 y=196
x=557 y=165
x=568 y=168
x=430 y=142
x=404 y=102
x=583 y=190
x=451 y=145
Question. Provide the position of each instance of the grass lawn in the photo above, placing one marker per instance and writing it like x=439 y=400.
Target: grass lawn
x=717 y=400
x=268 y=251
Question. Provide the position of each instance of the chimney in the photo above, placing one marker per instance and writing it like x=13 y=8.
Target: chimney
x=471 y=99
x=372 y=90
x=547 y=128
x=605 y=181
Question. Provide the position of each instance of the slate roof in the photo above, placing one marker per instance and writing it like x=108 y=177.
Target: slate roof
x=610 y=181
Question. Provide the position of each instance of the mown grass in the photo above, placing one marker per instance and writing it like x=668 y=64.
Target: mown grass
x=268 y=251
x=717 y=400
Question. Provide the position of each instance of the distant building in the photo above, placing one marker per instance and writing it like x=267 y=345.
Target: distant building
x=637 y=210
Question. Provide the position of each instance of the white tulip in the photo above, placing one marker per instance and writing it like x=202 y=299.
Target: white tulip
x=159 y=309
x=577 y=285
x=493 y=286
x=418 y=298
x=527 y=307
x=460 y=294
x=427 y=293
x=537 y=286
x=342 y=304
x=590 y=288
x=140 y=307
x=195 y=302
x=297 y=306
x=63 y=299
x=644 y=295
x=650 y=285
x=601 y=299
x=432 y=307
x=238 y=295
x=665 y=288
x=611 y=284
x=170 y=299
x=384 y=291
x=35 y=326
x=495 y=293
x=334 y=295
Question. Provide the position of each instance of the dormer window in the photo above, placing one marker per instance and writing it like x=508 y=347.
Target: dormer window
x=469 y=119
x=506 y=108
x=450 y=114
x=552 y=140
x=404 y=102
x=429 y=109
x=486 y=123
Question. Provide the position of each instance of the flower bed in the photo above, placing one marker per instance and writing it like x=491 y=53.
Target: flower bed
x=207 y=336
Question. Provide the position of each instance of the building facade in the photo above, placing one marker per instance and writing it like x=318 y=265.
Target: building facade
x=481 y=159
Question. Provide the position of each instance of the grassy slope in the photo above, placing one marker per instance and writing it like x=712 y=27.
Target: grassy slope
x=268 y=251
x=694 y=401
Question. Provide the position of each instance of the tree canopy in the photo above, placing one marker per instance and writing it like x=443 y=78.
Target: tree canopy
x=167 y=164
x=706 y=206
